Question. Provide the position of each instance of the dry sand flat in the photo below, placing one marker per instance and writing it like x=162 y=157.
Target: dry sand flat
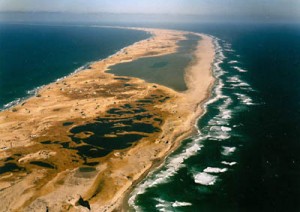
x=50 y=171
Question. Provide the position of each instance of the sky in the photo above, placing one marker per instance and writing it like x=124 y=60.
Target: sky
x=210 y=9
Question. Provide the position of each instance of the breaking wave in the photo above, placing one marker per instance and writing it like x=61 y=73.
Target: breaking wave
x=218 y=128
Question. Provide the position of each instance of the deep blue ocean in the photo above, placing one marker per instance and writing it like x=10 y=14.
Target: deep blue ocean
x=246 y=156
x=34 y=55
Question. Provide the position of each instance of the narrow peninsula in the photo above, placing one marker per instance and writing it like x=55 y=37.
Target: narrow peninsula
x=84 y=141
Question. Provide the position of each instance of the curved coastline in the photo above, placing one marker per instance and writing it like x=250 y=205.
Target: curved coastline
x=199 y=111
x=142 y=184
x=199 y=79
x=33 y=91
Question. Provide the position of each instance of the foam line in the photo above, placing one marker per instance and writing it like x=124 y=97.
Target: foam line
x=228 y=150
x=218 y=128
x=240 y=69
x=204 y=178
x=233 y=62
x=181 y=204
x=229 y=163
x=214 y=170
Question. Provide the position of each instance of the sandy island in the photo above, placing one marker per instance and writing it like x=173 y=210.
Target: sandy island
x=46 y=171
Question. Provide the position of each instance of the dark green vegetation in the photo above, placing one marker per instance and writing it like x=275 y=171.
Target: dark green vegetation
x=9 y=167
x=87 y=169
x=67 y=123
x=42 y=164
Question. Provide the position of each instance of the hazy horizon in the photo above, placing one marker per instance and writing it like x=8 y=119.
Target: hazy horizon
x=154 y=10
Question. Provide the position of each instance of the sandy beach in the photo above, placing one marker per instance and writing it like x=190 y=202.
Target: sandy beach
x=42 y=142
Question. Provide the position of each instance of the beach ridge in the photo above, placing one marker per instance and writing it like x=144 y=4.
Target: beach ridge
x=78 y=100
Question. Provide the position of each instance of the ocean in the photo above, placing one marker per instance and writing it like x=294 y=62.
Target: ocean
x=245 y=156
x=34 y=55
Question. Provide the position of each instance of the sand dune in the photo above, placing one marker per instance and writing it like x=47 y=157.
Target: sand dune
x=52 y=172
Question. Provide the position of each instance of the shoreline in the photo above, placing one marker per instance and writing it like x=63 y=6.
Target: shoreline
x=123 y=175
x=124 y=206
x=33 y=92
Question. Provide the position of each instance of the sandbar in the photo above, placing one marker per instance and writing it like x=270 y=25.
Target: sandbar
x=48 y=158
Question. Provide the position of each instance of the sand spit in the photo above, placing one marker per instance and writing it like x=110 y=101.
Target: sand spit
x=48 y=161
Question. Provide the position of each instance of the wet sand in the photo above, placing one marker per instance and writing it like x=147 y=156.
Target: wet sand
x=37 y=135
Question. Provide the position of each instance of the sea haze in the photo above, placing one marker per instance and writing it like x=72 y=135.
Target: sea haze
x=35 y=55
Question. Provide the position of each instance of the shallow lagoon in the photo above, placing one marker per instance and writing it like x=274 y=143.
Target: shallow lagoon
x=166 y=70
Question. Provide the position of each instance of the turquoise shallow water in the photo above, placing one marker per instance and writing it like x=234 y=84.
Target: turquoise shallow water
x=166 y=70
